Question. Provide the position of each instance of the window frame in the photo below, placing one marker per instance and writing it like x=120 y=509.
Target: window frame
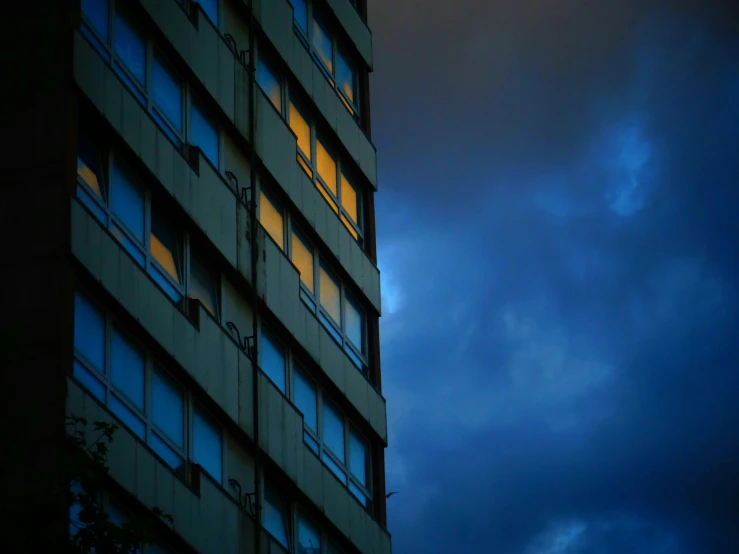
x=317 y=437
x=352 y=106
x=358 y=354
x=144 y=93
x=335 y=201
x=102 y=210
x=151 y=365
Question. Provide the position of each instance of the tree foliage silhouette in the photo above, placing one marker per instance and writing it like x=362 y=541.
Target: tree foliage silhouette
x=84 y=470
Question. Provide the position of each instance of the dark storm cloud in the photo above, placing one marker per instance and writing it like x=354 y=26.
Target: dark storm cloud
x=502 y=80
x=559 y=254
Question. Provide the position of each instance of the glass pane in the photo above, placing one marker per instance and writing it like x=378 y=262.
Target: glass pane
x=326 y=166
x=167 y=93
x=203 y=287
x=210 y=8
x=207 y=450
x=84 y=196
x=305 y=398
x=96 y=12
x=349 y=199
x=345 y=76
x=354 y=323
x=323 y=45
x=301 y=129
x=328 y=290
x=308 y=538
x=302 y=257
x=333 y=430
x=125 y=414
x=166 y=452
x=358 y=494
x=168 y=407
x=349 y=227
x=133 y=248
x=358 y=457
x=275 y=516
x=90 y=167
x=327 y=196
x=305 y=166
x=334 y=467
x=165 y=283
x=90 y=382
x=129 y=46
x=127 y=202
x=300 y=11
x=127 y=369
x=273 y=360
x=204 y=134
x=269 y=84
x=310 y=441
x=271 y=218
x=89 y=332
x=166 y=246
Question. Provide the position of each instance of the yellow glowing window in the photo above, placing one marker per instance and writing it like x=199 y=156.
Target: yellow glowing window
x=87 y=175
x=349 y=199
x=329 y=295
x=328 y=198
x=305 y=166
x=349 y=227
x=302 y=257
x=89 y=167
x=165 y=248
x=301 y=129
x=271 y=219
x=326 y=166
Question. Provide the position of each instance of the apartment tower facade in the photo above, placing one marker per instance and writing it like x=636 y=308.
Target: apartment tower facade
x=190 y=243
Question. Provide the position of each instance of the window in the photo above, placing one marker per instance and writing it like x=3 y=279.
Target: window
x=305 y=398
x=329 y=294
x=166 y=249
x=323 y=47
x=330 y=176
x=210 y=9
x=97 y=13
x=144 y=70
x=138 y=390
x=269 y=84
x=129 y=48
x=323 y=294
x=302 y=257
x=334 y=61
x=125 y=207
x=358 y=466
x=274 y=516
x=204 y=287
x=204 y=134
x=346 y=81
x=308 y=538
x=207 y=445
x=167 y=97
x=270 y=215
x=273 y=359
x=331 y=437
x=302 y=131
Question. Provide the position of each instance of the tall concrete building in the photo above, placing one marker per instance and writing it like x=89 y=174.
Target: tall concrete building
x=190 y=253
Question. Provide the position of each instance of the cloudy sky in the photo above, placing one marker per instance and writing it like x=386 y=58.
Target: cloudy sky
x=560 y=268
